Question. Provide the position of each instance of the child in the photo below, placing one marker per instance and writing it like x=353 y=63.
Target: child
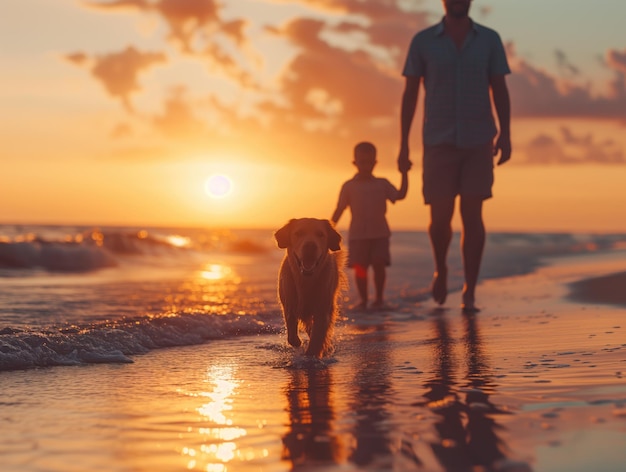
x=368 y=241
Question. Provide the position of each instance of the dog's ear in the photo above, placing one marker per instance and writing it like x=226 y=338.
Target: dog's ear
x=283 y=235
x=334 y=238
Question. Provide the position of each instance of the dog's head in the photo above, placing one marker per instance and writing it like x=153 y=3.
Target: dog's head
x=309 y=240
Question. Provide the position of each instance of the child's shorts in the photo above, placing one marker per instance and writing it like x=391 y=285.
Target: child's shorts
x=367 y=252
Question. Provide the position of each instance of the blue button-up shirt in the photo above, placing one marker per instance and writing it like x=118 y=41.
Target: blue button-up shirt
x=457 y=105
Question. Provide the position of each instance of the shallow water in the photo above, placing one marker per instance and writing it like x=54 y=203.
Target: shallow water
x=175 y=360
x=426 y=390
x=74 y=295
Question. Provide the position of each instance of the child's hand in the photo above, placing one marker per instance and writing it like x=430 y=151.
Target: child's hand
x=404 y=163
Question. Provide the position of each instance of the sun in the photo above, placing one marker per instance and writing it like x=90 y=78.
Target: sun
x=218 y=186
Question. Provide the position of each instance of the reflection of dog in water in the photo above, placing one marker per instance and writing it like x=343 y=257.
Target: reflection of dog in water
x=310 y=280
x=312 y=439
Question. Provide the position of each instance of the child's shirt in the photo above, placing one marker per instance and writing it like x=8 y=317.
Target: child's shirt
x=367 y=199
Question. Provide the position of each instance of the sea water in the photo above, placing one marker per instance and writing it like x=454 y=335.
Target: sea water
x=72 y=295
x=164 y=349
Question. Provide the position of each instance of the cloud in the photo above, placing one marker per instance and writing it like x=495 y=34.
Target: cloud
x=122 y=130
x=187 y=18
x=485 y=11
x=119 y=72
x=77 y=58
x=565 y=66
x=617 y=60
x=535 y=93
x=184 y=17
x=197 y=28
x=327 y=87
x=178 y=119
x=568 y=148
x=345 y=78
x=387 y=24
x=341 y=80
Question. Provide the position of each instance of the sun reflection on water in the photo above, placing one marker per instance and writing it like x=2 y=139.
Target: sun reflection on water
x=177 y=240
x=218 y=436
x=216 y=272
x=221 y=402
x=213 y=288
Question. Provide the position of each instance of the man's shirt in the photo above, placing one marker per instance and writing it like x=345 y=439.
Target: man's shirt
x=457 y=104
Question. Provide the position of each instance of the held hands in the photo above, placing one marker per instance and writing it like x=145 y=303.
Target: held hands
x=503 y=146
x=404 y=164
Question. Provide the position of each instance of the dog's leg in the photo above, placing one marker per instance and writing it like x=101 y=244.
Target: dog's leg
x=291 y=320
x=318 y=341
x=288 y=296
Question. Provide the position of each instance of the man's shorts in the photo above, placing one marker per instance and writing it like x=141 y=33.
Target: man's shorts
x=366 y=252
x=449 y=171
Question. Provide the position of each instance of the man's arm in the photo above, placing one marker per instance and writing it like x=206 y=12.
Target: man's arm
x=409 y=104
x=502 y=103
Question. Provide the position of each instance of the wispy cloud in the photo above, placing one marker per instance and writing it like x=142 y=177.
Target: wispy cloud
x=569 y=148
x=342 y=80
x=192 y=24
x=178 y=118
x=536 y=93
x=119 y=71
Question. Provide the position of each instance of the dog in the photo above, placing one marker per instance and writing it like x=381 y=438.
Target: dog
x=310 y=281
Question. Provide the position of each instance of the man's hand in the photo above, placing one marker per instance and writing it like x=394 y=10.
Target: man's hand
x=404 y=164
x=503 y=147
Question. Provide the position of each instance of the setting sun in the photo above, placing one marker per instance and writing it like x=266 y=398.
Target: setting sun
x=218 y=186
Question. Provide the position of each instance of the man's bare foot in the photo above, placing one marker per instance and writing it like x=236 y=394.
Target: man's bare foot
x=469 y=304
x=440 y=287
x=469 y=309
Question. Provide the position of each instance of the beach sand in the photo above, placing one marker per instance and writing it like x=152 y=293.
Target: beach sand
x=535 y=381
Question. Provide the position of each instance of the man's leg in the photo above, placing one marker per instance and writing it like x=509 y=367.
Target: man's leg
x=472 y=245
x=440 y=231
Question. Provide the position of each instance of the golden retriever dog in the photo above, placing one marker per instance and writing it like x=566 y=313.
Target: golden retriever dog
x=310 y=280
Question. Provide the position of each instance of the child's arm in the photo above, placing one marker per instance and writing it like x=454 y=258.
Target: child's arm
x=404 y=186
x=342 y=204
x=336 y=215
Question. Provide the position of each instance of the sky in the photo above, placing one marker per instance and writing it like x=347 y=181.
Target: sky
x=119 y=112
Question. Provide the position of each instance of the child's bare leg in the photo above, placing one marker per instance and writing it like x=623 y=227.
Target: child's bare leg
x=380 y=275
x=360 y=277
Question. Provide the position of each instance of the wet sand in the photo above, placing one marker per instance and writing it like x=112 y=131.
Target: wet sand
x=535 y=381
x=609 y=289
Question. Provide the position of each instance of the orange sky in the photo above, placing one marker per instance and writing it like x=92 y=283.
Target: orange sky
x=118 y=111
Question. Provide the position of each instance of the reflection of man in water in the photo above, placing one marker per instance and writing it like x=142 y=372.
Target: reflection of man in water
x=467 y=432
x=484 y=444
x=462 y=65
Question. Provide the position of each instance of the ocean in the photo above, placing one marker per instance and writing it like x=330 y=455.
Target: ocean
x=163 y=349
x=72 y=295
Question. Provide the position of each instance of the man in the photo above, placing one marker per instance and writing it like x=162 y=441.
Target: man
x=460 y=64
